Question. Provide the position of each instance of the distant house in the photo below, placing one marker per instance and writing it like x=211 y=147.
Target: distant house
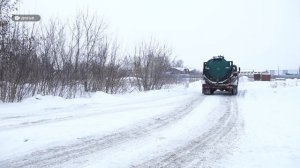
x=178 y=70
x=195 y=72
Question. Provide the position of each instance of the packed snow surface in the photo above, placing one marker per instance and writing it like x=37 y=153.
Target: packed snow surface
x=176 y=127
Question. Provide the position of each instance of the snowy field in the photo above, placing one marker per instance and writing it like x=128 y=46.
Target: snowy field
x=176 y=127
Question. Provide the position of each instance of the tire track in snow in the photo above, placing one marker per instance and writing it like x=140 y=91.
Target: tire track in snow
x=56 y=156
x=116 y=109
x=212 y=145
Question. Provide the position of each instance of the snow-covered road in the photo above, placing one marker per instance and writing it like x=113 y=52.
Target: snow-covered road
x=209 y=145
x=176 y=127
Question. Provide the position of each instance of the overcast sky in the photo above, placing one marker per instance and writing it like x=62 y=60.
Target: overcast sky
x=255 y=34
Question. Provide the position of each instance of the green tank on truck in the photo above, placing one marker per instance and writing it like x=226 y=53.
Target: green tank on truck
x=219 y=74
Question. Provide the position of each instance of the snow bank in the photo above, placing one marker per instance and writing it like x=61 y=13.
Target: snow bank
x=285 y=83
x=243 y=79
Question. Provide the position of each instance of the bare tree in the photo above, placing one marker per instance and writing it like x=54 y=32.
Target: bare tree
x=94 y=36
x=177 y=63
x=114 y=73
x=150 y=62
x=67 y=59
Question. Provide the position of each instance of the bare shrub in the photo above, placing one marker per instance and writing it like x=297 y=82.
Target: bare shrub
x=150 y=62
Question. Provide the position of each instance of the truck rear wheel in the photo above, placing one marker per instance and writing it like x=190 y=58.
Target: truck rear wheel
x=206 y=91
x=234 y=90
x=211 y=91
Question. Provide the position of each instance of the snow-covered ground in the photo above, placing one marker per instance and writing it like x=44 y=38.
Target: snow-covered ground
x=176 y=127
x=271 y=114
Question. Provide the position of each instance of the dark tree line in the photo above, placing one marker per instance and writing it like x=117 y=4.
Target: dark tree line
x=71 y=59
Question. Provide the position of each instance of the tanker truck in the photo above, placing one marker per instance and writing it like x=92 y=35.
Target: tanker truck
x=219 y=74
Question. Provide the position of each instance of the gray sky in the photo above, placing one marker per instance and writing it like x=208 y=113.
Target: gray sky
x=255 y=34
